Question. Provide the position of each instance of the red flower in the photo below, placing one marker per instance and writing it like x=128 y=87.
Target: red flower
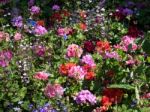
x=86 y=67
x=41 y=22
x=134 y=32
x=83 y=26
x=106 y=101
x=64 y=68
x=118 y=14
x=89 y=46
x=102 y=46
x=110 y=73
x=114 y=95
x=56 y=17
x=90 y=75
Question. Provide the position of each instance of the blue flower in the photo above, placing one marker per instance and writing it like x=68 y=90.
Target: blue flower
x=65 y=37
x=30 y=22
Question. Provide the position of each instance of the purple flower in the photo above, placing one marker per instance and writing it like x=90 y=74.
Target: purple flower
x=113 y=55
x=17 y=21
x=35 y=10
x=56 y=7
x=40 y=30
x=127 y=11
x=85 y=96
x=31 y=3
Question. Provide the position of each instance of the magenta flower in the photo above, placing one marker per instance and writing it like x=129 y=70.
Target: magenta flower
x=35 y=10
x=40 y=30
x=87 y=59
x=5 y=58
x=39 y=50
x=53 y=90
x=85 y=96
x=74 y=50
x=77 y=72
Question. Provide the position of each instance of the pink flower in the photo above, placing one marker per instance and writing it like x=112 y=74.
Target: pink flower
x=41 y=76
x=39 y=50
x=126 y=42
x=53 y=90
x=87 y=59
x=77 y=72
x=146 y=96
x=64 y=31
x=17 y=36
x=74 y=50
x=40 y=30
x=113 y=55
x=59 y=89
x=130 y=62
x=4 y=36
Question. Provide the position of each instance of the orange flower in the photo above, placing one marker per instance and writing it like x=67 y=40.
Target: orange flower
x=102 y=46
x=41 y=22
x=90 y=75
x=64 y=68
x=82 y=26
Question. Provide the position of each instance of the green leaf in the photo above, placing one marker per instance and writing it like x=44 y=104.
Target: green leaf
x=145 y=46
x=122 y=86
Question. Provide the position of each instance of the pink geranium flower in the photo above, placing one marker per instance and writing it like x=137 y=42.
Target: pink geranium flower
x=64 y=31
x=53 y=90
x=17 y=36
x=74 y=50
x=41 y=76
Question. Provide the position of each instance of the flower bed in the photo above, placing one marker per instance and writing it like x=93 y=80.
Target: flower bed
x=74 y=56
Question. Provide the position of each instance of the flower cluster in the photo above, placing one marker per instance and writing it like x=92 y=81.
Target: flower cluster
x=4 y=36
x=35 y=10
x=55 y=90
x=85 y=96
x=74 y=50
x=5 y=57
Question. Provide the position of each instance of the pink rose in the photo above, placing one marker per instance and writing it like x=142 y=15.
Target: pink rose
x=41 y=76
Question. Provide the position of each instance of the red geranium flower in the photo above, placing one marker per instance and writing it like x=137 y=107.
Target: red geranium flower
x=64 y=68
x=114 y=94
x=90 y=75
x=134 y=32
x=89 y=46
x=102 y=46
